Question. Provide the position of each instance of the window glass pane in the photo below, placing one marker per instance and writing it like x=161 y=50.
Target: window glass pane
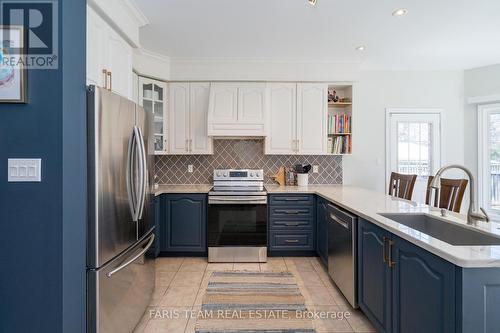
x=414 y=154
x=494 y=153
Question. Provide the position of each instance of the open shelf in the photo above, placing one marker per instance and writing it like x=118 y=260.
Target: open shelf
x=339 y=104
x=340 y=120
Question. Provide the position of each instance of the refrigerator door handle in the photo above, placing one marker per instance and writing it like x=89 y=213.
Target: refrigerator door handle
x=131 y=193
x=139 y=183
x=143 y=174
x=134 y=258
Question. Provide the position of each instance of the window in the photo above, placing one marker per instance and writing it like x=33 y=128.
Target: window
x=413 y=146
x=489 y=157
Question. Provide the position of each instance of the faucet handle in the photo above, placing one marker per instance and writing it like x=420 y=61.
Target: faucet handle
x=486 y=216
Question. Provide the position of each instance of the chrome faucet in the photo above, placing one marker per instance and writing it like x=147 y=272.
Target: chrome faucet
x=473 y=215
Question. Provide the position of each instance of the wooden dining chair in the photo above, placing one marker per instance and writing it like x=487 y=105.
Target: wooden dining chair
x=401 y=186
x=451 y=194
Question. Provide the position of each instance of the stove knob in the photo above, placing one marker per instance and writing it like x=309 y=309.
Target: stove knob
x=219 y=174
x=226 y=174
x=257 y=174
x=251 y=174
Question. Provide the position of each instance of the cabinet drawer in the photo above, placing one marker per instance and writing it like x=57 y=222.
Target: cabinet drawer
x=291 y=224
x=292 y=212
x=278 y=199
x=292 y=241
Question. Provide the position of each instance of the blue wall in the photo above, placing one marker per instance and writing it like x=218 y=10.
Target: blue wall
x=42 y=225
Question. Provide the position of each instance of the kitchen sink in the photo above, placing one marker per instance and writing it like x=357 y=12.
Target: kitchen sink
x=448 y=232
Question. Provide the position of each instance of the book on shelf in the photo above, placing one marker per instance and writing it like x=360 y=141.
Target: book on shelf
x=339 y=124
x=339 y=145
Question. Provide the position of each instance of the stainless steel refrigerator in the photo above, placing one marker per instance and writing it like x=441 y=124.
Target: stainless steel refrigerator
x=120 y=269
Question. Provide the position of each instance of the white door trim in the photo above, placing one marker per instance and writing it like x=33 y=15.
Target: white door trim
x=482 y=120
x=408 y=111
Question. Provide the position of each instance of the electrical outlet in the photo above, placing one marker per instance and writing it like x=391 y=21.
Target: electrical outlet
x=315 y=168
x=190 y=168
x=24 y=170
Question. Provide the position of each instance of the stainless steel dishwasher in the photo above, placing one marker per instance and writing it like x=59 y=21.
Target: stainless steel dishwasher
x=342 y=263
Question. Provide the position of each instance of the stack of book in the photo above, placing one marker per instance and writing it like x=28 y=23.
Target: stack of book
x=339 y=144
x=339 y=123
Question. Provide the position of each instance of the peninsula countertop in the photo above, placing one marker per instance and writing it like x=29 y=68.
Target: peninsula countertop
x=368 y=205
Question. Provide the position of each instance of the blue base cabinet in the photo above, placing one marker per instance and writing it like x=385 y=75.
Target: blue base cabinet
x=374 y=275
x=291 y=225
x=423 y=288
x=403 y=288
x=183 y=223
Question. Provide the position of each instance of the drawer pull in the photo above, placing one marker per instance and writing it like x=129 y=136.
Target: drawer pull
x=290 y=224
x=291 y=212
x=291 y=241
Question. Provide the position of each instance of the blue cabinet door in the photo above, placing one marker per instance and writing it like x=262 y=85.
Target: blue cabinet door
x=185 y=221
x=423 y=290
x=322 y=231
x=158 y=218
x=374 y=276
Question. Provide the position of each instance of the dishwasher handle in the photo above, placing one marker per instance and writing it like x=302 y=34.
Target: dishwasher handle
x=339 y=221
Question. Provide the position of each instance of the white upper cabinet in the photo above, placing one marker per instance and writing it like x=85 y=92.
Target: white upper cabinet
x=188 y=114
x=297 y=119
x=312 y=110
x=224 y=103
x=251 y=102
x=199 y=96
x=179 y=118
x=282 y=117
x=152 y=97
x=237 y=109
x=109 y=57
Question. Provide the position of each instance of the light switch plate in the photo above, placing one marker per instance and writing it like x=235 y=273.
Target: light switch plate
x=24 y=170
x=315 y=168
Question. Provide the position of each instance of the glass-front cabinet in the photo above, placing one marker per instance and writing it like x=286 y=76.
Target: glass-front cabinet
x=152 y=97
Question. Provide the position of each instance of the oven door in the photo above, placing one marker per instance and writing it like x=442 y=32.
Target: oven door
x=237 y=222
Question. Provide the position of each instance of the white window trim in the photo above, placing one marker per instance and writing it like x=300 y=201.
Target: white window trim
x=483 y=141
x=408 y=111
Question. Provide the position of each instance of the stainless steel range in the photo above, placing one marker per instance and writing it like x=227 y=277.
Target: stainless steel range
x=237 y=217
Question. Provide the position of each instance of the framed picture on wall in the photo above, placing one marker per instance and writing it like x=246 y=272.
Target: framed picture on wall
x=12 y=66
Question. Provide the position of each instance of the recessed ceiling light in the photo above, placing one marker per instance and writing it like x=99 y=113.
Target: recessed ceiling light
x=360 y=48
x=312 y=2
x=400 y=12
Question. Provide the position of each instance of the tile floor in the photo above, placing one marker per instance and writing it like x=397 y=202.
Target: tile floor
x=181 y=284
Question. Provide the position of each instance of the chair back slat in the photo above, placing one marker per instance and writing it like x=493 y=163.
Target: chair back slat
x=401 y=186
x=451 y=194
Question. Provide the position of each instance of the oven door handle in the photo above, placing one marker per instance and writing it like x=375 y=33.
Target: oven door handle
x=245 y=200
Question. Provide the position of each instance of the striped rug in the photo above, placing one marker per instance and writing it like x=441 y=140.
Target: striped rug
x=253 y=302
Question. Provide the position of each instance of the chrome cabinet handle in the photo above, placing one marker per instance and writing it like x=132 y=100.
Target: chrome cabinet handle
x=119 y=268
x=290 y=224
x=110 y=76
x=291 y=241
x=105 y=72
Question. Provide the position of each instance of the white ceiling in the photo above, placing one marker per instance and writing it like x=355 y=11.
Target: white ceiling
x=436 y=34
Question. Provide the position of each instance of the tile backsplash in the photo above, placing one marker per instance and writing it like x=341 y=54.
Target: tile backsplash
x=244 y=154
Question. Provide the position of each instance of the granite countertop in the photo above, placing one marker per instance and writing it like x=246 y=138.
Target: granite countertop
x=368 y=204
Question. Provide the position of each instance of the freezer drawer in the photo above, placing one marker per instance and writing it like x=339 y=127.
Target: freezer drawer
x=119 y=292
